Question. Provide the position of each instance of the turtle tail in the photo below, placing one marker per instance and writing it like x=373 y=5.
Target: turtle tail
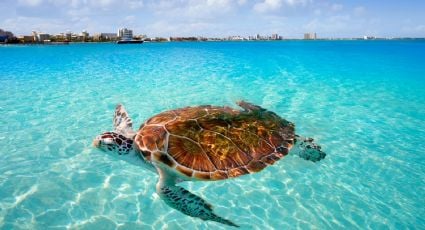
x=305 y=148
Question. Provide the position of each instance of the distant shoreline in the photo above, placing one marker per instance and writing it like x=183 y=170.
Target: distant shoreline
x=206 y=41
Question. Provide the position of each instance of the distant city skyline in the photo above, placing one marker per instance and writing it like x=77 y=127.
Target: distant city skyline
x=217 y=18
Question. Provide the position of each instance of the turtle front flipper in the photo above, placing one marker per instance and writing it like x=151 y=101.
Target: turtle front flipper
x=305 y=148
x=122 y=122
x=187 y=202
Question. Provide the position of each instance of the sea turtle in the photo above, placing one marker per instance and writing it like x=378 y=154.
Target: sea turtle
x=205 y=143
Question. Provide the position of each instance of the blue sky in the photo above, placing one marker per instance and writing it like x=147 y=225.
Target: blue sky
x=218 y=18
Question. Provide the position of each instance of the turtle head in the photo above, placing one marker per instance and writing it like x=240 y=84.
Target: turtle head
x=113 y=143
x=120 y=142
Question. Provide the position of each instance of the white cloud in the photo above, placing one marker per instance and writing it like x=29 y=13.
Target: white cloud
x=130 y=19
x=296 y=2
x=75 y=14
x=78 y=9
x=38 y=24
x=207 y=8
x=103 y=3
x=95 y=4
x=338 y=24
x=268 y=5
x=241 y=2
x=273 y=5
x=192 y=9
x=420 y=28
x=205 y=17
x=359 y=10
x=166 y=28
x=190 y=17
x=221 y=3
x=30 y=2
x=337 y=7
x=135 y=4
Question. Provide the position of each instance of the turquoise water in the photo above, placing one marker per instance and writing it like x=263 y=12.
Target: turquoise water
x=364 y=102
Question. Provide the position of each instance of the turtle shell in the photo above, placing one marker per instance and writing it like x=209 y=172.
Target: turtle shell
x=215 y=143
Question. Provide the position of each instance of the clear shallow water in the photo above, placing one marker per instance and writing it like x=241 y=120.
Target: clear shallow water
x=362 y=101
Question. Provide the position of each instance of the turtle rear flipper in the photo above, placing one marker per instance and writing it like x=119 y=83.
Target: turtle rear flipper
x=186 y=202
x=305 y=148
x=248 y=107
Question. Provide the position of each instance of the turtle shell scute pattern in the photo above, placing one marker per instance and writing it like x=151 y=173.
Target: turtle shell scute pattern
x=215 y=143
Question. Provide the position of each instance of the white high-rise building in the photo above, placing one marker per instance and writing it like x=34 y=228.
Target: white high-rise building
x=68 y=35
x=125 y=34
x=310 y=36
x=40 y=37
x=43 y=37
x=84 y=34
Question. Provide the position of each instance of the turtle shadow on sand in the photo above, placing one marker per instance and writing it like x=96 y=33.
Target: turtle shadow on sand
x=204 y=143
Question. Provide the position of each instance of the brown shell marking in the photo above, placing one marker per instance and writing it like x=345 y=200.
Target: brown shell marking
x=188 y=153
x=222 y=151
x=214 y=143
x=151 y=138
